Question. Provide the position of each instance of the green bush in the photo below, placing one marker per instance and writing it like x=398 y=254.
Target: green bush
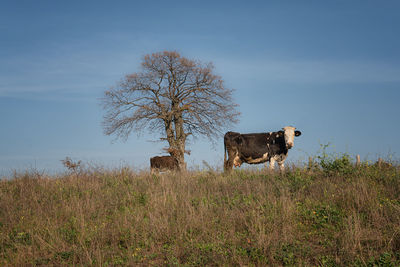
x=335 y=163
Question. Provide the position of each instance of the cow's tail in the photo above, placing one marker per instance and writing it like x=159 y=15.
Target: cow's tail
x=225 y=167
x=151 y=165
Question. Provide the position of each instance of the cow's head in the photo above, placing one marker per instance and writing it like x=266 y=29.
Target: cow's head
x=290 y=133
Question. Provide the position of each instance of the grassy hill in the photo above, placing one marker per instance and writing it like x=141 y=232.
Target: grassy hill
x=331 y=214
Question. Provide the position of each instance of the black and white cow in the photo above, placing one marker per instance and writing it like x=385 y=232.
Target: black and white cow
x=254 y=148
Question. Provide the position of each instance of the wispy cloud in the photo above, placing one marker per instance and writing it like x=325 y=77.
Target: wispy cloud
x=311 y=72
x=79 y=65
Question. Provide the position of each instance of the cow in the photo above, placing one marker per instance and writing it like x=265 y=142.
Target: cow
x=163 y=163
x=255 y=148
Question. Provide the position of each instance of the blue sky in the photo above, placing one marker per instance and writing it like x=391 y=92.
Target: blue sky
x=329 y=68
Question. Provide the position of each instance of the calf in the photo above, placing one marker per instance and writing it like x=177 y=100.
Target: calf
x=163 y=163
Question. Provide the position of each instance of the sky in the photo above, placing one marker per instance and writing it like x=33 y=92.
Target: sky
x=329 y=68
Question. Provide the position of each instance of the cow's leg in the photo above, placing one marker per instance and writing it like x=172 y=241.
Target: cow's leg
x=229 y=165
x=272 y=164
x=229 y=162
x=281 y=166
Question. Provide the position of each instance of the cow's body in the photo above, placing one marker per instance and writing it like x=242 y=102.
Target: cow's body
x=255 y=148
x=163 y=163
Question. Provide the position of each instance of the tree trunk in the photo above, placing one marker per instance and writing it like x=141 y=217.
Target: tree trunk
x=178 y=153
x=176 y=138
x=180 y=141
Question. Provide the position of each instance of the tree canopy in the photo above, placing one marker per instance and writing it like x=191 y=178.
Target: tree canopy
x=173 y=96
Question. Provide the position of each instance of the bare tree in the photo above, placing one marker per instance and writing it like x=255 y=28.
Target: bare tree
x=173 y=96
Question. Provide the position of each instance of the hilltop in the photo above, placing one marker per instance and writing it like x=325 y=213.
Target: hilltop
x=328 y=214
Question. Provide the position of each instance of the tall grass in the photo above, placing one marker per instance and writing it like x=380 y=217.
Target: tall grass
x=323 y=216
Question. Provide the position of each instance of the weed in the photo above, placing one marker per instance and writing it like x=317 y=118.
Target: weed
x=331 y=163
x=321 y=215
x=386 y=259
x=69 y=231
x=298 y=181
x=289 y=253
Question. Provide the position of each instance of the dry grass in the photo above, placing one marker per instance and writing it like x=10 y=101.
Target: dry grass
x=318 y=217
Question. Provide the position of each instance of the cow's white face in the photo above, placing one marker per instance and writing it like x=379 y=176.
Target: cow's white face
x=289 y=136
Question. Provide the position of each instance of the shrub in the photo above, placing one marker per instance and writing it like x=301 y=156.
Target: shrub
x=331 y=163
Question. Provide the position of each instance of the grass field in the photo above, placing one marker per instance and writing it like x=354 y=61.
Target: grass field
x=331 y=214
